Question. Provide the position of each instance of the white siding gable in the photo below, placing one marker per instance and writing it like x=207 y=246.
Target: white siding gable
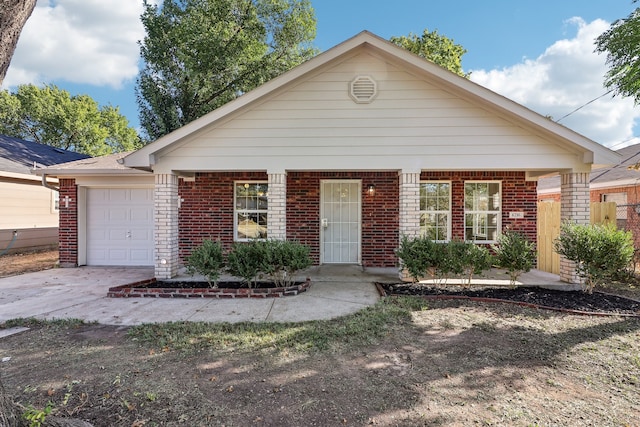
x=411 y=124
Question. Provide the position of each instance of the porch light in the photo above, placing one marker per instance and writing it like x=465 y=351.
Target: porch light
x=371 y=189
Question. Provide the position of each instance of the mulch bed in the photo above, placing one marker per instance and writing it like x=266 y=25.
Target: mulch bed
x=570 y=301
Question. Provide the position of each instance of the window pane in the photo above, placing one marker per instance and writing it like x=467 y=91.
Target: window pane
x=251 y=210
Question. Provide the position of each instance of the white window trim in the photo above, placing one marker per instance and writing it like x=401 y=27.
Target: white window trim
x=449 y=211
x=486 y=212
x=55 y=202
x=236 y=211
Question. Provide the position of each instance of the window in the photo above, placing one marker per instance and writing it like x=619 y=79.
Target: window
x=250 y=210
x=55 y=201
x=435 y=210
x=482 y=211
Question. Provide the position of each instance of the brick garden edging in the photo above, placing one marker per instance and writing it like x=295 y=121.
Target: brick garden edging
x=139 y=290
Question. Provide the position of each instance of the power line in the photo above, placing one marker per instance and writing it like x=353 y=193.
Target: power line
x=583 y=105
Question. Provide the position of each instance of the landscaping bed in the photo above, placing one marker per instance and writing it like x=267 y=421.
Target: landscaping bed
x=194 y=289
x=572 y=301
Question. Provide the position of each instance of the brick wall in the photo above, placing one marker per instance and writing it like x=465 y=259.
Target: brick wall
x=68 y=229
x=633 y=193
x=517 y=195
x=206 y=210
x=379 y=213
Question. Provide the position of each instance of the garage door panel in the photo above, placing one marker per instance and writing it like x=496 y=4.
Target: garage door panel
x=120 y=226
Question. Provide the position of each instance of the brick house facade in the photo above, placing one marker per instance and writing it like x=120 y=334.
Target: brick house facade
x=415 y=150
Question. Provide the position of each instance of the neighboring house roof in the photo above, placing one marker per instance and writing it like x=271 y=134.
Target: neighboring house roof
x=21 y=157
x=551 y=146
x=618 y=175
x=109 y=164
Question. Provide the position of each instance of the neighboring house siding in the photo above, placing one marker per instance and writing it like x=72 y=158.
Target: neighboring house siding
x=518 y=195
x=26 y=206
x=68 y=233
x=380 y=213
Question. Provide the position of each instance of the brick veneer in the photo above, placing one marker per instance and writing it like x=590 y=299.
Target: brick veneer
x=206 y=210
x=517 y=195
x=380 y=213
x=68 y=229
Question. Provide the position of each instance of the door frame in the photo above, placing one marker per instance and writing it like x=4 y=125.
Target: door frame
x=322 y=215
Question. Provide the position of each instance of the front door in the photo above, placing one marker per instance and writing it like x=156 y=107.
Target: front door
x=340 y=221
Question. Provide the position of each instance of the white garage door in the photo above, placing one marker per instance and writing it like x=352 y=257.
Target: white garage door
x=120 y=226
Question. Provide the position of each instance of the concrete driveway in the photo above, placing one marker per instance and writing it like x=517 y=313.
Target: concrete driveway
x=81 y=293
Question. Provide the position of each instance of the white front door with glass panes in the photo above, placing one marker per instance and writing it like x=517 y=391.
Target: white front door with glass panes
x=340 y=213
x=250 y=210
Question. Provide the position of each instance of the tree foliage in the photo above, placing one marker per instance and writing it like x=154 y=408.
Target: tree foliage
x=52 y=116
x=436 y=48
x=621 y=42
x=200 y=54
x=13 y=15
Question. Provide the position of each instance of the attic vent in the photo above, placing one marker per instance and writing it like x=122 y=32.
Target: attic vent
x=363 y=89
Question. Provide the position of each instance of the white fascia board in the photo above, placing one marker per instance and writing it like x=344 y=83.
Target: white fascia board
x=592 y=152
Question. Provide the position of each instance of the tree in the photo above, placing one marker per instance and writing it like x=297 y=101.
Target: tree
x=52 y=116
x=621 y=42
x=436 y=48
x=200 y=54
x=13 y=16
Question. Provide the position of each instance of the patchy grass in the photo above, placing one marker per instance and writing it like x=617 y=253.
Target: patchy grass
x=365 y=327
x=402 y=362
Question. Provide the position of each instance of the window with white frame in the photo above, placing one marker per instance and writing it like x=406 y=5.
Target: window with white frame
x=435 y=210
x=250 y=210
x=482 y=211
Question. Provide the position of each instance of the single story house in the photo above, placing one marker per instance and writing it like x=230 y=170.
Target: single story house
x=346 y=153
x=29 y=210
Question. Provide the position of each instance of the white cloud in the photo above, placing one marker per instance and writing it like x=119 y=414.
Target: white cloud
x=566 y=76
x=79 y=41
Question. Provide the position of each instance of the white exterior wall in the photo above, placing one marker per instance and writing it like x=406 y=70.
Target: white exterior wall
x=411 y=124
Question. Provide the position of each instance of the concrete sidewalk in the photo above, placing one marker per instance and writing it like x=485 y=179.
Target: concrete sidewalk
x=81 y=293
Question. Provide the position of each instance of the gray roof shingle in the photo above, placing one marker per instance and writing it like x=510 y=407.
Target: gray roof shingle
x=20 y=156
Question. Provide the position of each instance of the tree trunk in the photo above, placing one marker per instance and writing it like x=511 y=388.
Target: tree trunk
x=13 y=16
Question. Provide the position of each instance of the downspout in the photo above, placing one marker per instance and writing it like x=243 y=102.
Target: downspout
x=47 y=185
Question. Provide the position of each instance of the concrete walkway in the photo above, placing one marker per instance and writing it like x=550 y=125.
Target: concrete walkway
x=80 y=293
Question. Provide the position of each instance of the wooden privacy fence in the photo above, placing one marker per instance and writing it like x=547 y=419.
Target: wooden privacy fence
x=549 y=230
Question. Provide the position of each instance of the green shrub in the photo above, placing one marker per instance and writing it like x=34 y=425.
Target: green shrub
x=208 y=260
x=282 y=259
x=419 y=256
x=599 y=252
x=515 y=253
x=278 y=260
x=477 y=259
x=422 y=256
x=245 y=261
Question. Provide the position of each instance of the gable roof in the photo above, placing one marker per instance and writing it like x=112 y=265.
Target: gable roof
x=588 y=151
x=21 y=156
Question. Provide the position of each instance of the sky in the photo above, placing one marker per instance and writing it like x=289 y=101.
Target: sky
x=539 y=53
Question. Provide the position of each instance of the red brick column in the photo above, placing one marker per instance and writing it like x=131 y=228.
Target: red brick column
x=68 y=224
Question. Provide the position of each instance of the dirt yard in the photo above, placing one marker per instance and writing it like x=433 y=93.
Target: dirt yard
x=438 y=363
x=12 y=264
